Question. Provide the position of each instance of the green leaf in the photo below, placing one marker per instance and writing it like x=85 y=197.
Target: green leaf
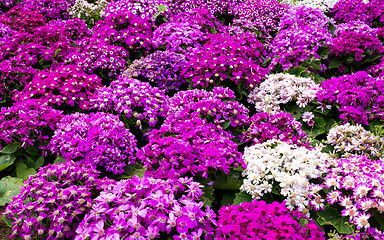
x=315 y=66
x=242 y=197
x=6 y=161
x=9 y=187
x=226 y=124
x=303 y=222
x=57 y=52
x=8 y=221
x=332 y=217
x=334 y=63
x=59 y=159
x=39 y=162
x=11 y=148
x=228 y=198
x=317 y=128
x=33 y=151
x=297 y=71
x=23 y=172
x=230 y=181
x=207 y=197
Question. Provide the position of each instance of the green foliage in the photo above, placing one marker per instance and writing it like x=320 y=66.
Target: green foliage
x=242 y=197
x=6 y=161
x=11 y=148
x=230 y=181
x=22 y=171
x=9 y=187
x=331 y=216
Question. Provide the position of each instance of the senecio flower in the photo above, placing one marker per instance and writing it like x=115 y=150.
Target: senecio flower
x=98 y=139
x=283 y=88
x=354 y=184
x=148 y=208
x=259 y=220
x=287 y=167
x=53 y=202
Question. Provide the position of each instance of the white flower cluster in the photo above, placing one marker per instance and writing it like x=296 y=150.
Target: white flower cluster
x=324 y=5
x=350 y=139
x=280 y=89
x=89 y=12
x=285 y=168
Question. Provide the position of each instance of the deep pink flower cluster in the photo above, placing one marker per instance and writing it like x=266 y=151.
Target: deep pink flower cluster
x=228 y=60
x=5 y=33
x=75 y=29
x=259 y=220
x=161 y=69
x=358 y=97
x=21 y=19
x=201 y=17
x=188 y=148
x=351 y=10
x=67 y=85
x=29 y=122
x=52 y=203
x=137 y=100
x=52 y=9
x=218 y=7
x=377 y=70
x=98 y=139
x=147 y=208
x=279 y=125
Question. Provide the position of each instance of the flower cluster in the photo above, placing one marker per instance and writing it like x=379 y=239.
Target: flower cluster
x=216 y=106
x=161 y=69
x=98 y=139
x=52 y=9
x=75 y=29
x=147 y=208
x=356 y=96
x=323 y=5
x=5 y=33
x=355 y=185
x=29 y=122
x=260 y=16
x=377 y=70
x=137 y=100
x=259 y=220
x=67 y=85
x=278 y=125
x=201 y=17
x=228 y=60
x=218 y=7
x=355 y=26
x=189 y=148
x=351 y=10
x=276 y=164
x=140 y=8
x=283 y=88
x=89 y=12
x=52 y=203
x=21 y=19
x=350 y=139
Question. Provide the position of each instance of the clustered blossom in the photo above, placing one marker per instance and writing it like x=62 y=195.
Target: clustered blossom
x=218 y=7
x=189 y=148
x=323 y=5
x=52 y=9
x=354 y=184
x=67 y=85
x=53 y=202
x=355 y=26
x=260 y=16
x=357 y=97
x=161 y=69
x=283 y=88
x=279 y=125
x=29 y=122
x=5 y=33
x=259 y=220
x=227 y=59
x=98 y=139
x=140 y=8
x=285 y=166
x=377 y=70
x=147 y=208
x=137 y=100
x=20 y=19
x=350 y=139
x=89 y=12
x=216 y=106
x=351 y=10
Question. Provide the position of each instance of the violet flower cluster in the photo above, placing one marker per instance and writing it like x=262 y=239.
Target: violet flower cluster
x=351 y=10
x=52 y=9
x=67 y=85
x=218 y=7
x=259 y=220
x=377 y=70
x=148 y=208
x=140 y=8
x=29 y=122
x=188 y=148
x=355 y=185
x=278 y=125
x=21 y=19
x=137 y=100
x=161 y=69
x=52 y=203
x=98 y=139
x=228 y=60
x=357 y=97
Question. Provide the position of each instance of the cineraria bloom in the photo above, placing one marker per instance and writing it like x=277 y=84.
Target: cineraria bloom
x=161 y=69
x=90 y=12
x=75 y=29
x=29 y=122
x=217 y=106
x=52 y=202
x=358 y=97
x=351 y=10
x=148 y=208
x=376 y=11
x=98 y=139
x=283 y=88
x=259 y=220
x=354 y=184
x=52 y=9
x=217 y=7
x=285 y=166
x=5 y=33
x=20 y=19
x=279 y=125
x=138 y=101
x=67 y=85
x=141 y=8
x=350 y=139
x=6 y=4
x=323 y=5
x=188 y=148
x=377 y=70
x=355 y=26
x=259 y=16
x=226 y=60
